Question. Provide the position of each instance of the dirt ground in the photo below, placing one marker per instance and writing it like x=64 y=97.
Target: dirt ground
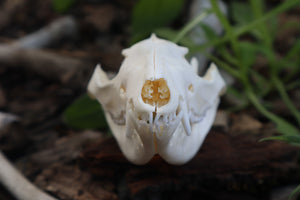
x=69 y=163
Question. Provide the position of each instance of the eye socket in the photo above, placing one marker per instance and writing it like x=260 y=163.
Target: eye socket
x=191 y=88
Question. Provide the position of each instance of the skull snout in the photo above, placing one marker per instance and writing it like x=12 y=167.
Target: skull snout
x=156 y=92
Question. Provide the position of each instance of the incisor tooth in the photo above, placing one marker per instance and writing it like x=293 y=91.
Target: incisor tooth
x=150 y=118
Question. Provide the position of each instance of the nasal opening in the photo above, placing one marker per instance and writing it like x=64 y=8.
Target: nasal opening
x=156 y=92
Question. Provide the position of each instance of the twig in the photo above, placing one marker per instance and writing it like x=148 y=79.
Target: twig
x=17 y=184
x=44 y=63
x=25 y=53
x=54 y=32
x=7 y=118
x=8 y=9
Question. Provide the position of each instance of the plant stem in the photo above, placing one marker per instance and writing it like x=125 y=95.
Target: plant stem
x=279 y=9
x=283 y=126
x=243 y=29
x=258 y=9
x=224 y=65
x=293 y=85
x=17 y=184
x=281 y=89
x=295 y=191
x=190 y=26
x=226 y=25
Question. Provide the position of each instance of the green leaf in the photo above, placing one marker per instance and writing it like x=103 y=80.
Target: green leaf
x=295 y=192
x=170 y=34
x=241 y=12
x=272 y=25
x=294 y=52
x=149 y=15
x=85 y=113
x=285 y=127
x=243 y=15
x=210 y=34
x=239 y=99
x=166 y=33
x=286 y=138
x=263 y=85
x=62 y=6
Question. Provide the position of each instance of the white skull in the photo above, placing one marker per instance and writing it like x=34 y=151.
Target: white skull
x=157 y=104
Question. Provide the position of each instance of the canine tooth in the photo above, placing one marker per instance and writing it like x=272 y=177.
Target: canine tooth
x=186 y=125
x=128 y=126
x=180 y=115
x=185 y=120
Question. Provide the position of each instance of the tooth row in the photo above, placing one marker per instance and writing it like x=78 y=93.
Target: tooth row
x=166 y=119
x=158 y=122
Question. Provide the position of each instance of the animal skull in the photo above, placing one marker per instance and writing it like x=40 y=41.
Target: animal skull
x=157 y=104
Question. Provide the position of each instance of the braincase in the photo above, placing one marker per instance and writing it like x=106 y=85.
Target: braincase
x=154 y=59
x=153 y=46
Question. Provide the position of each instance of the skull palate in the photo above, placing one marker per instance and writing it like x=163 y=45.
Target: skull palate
x=156 y=93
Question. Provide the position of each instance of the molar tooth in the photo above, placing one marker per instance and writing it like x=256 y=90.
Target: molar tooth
x=128 y=130
x=128 y=126
x=186 y=125
x=165 y=117
x=171 y=117
x=185 y=119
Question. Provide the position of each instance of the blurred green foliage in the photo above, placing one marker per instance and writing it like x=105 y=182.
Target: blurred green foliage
x=237 y=56
x=85 y=113
x=295 y=192
x=62 y=6
x=149 y=15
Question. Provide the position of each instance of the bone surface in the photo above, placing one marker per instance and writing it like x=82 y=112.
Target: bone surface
x=157 y=104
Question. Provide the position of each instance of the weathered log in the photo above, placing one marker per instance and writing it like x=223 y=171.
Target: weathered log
x=69 y=182
x=228 y=163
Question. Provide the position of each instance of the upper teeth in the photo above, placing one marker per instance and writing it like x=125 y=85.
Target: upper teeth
x=156 y=122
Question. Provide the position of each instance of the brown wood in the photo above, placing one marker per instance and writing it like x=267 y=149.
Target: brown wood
x=236 y=163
